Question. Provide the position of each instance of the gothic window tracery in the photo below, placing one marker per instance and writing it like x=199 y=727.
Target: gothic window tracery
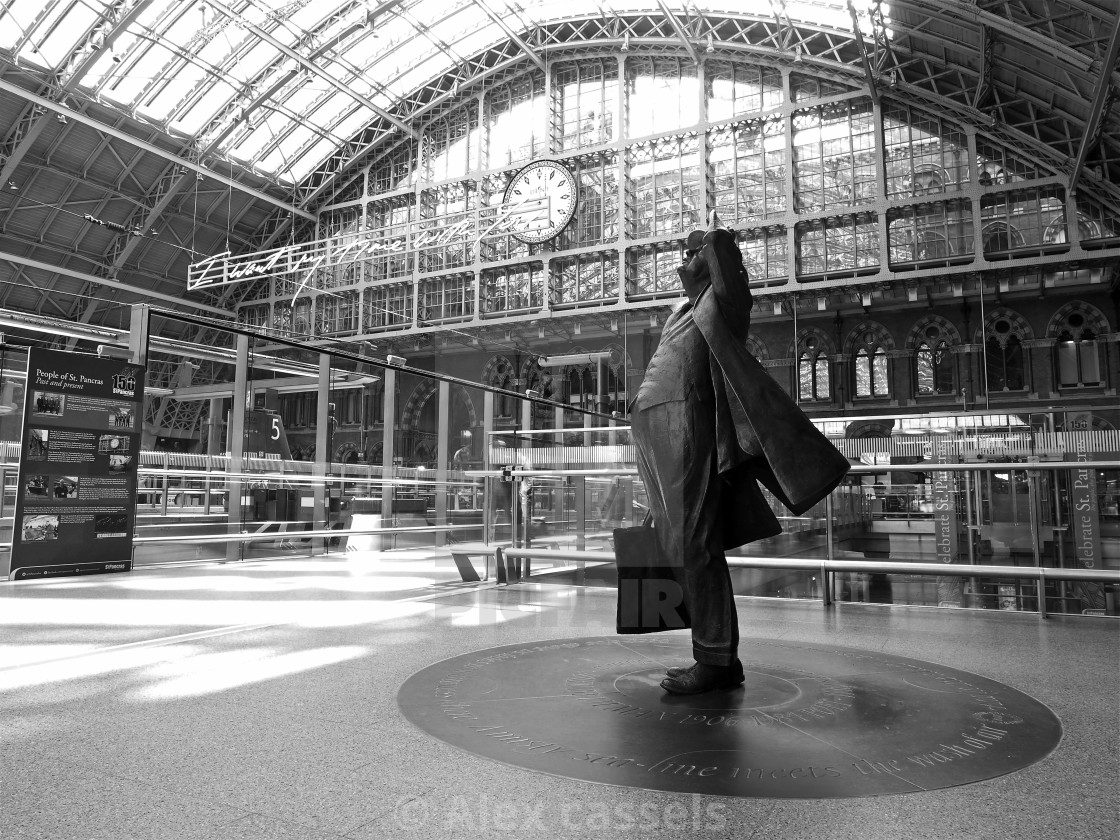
x=1077 y=358
x=932 y=342
x=869 y=346
x=1005 y=361
x=813 y=362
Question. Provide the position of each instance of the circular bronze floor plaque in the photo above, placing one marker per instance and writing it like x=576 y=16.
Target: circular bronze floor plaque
x=811 y=721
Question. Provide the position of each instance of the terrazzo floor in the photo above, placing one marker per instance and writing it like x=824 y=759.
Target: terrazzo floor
x=259 y=700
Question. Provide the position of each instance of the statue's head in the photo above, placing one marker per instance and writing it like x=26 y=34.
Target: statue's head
x=696 y=273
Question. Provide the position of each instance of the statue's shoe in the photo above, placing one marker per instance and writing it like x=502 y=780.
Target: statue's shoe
x=701 y=678
x=737 y=671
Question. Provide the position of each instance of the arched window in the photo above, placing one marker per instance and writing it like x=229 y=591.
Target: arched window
x=1078 y=363
x=541 y=381
x=1076 y=354
x=934 y=362
x=582 y=387
x=813 y=374
x=871 y=372
x=1003 y=348
x=868 y=346
x=499 y=373
x=931 y=341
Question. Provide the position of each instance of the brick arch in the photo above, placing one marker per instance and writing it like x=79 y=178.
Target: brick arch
x=423 y=392
x=416 y=402
x=879 y=335
x=620 y=359
x=490 y=371
x=824 y=342
x=917 y=333
x=1095 y=320
x=757 y=348
x=1019 y=324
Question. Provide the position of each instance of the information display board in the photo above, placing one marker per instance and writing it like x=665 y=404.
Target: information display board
x=76 y=497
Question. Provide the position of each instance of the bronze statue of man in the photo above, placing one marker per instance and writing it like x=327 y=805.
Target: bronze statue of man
x=709 y=424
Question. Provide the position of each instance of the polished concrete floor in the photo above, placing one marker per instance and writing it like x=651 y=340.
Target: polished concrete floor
x=259 y=700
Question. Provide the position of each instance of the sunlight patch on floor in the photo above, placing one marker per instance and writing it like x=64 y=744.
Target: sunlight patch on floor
x=210 y=673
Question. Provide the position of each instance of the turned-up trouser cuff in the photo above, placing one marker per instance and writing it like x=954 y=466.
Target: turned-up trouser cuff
x=676 y=449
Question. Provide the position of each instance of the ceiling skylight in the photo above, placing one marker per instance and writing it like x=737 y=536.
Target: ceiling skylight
x=254 y=76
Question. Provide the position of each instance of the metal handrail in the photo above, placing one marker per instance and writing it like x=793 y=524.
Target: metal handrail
x=855 y=469
x=828 y=567
x=254 y=536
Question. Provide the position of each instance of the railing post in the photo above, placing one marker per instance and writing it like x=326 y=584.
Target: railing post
x=166 y=488
x=830 y=552
x=515 y=514
x=499 y=565
x=1042 y=592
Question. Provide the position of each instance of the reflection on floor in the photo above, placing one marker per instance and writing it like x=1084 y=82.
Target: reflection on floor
x=259 y=700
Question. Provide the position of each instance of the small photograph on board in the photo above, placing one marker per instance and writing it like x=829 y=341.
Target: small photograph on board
x=121 y=418
x=48 y=403
x=110 y=525
x=113 y=444
x=66 y=487
x=38 y=444
x=39 y=528
x=36 y=487
x=119 y=463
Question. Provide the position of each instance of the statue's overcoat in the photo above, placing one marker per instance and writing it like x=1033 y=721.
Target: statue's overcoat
x=761 y=433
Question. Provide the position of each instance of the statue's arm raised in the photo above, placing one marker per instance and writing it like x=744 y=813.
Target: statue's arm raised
x=729 y=279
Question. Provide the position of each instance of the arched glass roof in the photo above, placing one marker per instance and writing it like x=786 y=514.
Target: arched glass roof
x=279 y=86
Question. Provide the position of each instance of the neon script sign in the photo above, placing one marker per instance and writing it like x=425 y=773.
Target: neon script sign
x=301 y=261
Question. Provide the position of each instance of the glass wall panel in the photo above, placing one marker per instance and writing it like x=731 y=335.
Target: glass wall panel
x=922 y=490
x=938 y=232
x=662 y=94
x=834 y=156
x=1022 y=219
x=451 y=145
x=584 y=279
x=923 y=154
x=255 y=317
x=766 y=255
x=445 y=237
x=805 y=88
x=394 y=170
x=663 y=187
x=516 y=121
x=1094 y=224
x=388 y=233
x=446 y=299
x=495 y=242
x=338 y=313
x=387 y=306
x=747 y=171
x=512 y=289
x=585 y=105
x=739 y=90
x=839 y=245
x=653 y=271
x=597 y=212
x=997 y=165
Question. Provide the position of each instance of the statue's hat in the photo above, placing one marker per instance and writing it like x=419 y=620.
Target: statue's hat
x=695 y=240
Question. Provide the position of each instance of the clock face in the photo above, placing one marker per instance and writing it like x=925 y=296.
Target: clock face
x=540 y=201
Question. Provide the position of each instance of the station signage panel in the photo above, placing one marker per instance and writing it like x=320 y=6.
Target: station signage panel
x=76 y=495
